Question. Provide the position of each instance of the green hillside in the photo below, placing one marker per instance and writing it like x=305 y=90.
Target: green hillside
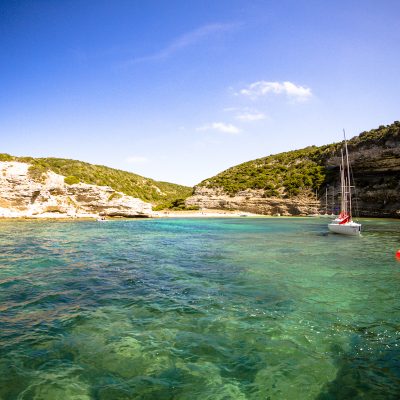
x=282 y=175
x=293 y=172
x=149 y=190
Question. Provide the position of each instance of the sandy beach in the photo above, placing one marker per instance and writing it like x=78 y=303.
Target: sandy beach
x=204 y=214
x=207 y=213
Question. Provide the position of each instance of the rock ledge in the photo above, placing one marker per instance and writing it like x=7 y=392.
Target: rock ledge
x=21 y=196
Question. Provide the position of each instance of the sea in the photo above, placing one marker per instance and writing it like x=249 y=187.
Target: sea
x=192 y=308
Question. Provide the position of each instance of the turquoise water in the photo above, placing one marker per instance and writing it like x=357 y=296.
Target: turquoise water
x=264 y=308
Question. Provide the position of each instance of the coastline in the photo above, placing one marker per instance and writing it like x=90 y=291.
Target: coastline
x=207 y=213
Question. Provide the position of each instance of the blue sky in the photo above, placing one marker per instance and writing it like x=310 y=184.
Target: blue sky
x=181 y=90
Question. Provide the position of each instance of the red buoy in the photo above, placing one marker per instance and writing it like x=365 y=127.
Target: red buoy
x=398 y=255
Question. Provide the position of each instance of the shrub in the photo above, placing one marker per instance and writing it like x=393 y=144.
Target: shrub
x=71 y=180
x=6 y=157
x=37 y=173
x=115 y=196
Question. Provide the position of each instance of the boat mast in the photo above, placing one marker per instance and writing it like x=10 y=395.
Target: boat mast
x=348 y=171
x=346 y=194
x=342 y=185
x=326 y=200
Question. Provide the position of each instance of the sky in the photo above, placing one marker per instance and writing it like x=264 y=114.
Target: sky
x=179 y=91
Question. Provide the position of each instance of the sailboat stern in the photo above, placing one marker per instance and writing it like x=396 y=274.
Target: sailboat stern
x=348 y=228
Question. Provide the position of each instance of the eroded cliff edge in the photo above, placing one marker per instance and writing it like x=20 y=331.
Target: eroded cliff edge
x=295 y=183
x=51 y=197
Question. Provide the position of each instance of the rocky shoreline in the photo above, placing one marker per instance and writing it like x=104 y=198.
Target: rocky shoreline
x=50 y=197
x=155 y=215
x=253 y=201
x=375 y=168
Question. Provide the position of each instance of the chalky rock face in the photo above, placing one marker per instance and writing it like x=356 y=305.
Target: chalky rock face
x=21 y=196
x=253 y=201
x=376 y=171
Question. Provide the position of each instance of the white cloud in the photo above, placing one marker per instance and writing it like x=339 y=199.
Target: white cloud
x=250 y=116
x=246 y=114
x=220 y=127
x=263 y=88
x=184 y=41
x=230 y=109
x=136 y=160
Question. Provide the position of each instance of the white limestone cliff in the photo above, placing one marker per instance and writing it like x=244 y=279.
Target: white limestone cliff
x=252 y=201
x=22 y=196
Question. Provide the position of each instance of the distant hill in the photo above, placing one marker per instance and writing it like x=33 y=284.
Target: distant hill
x=295 y=182
x=291 y=173
x=293 y=177
x=158 y=193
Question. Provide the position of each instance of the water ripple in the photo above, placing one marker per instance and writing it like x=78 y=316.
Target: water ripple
x=208 y=309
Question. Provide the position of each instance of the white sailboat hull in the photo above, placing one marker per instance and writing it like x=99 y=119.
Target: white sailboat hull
x=349 y=228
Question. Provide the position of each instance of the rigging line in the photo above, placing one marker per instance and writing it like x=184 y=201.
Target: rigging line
x=357 y=211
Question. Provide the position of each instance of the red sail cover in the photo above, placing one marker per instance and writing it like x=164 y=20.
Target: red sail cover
x=344 y=218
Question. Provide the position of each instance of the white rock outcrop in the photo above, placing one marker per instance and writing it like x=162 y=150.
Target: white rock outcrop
x=21 y=196
x=252 y=201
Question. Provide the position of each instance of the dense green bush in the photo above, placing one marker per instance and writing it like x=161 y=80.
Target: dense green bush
x=37 y=173
x=71 y=180
x=176 y=204
x=114 y=196
x=6 y=157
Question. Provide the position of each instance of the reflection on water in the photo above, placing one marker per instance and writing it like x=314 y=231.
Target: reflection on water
x=198 y=308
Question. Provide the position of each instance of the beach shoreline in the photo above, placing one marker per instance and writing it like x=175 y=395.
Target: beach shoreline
x=207 y=213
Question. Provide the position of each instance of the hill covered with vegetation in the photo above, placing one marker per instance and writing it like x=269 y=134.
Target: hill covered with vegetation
x=283 y=175
x=294 y=172
x=161 y=194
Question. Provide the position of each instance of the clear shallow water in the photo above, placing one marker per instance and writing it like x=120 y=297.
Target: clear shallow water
x=199 y=309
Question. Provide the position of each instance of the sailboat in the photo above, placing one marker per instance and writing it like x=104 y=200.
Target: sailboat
x=326 y=215
x=344 y=223
x=333 y=215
